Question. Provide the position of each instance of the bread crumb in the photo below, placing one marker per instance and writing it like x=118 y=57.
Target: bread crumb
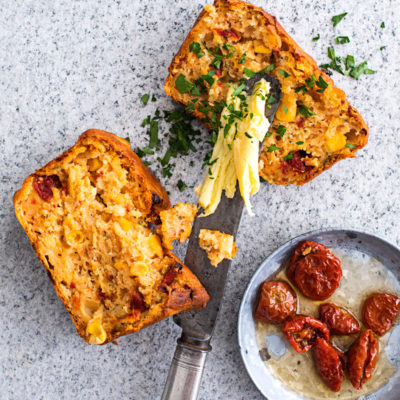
x=217 y=245
x=176 y=223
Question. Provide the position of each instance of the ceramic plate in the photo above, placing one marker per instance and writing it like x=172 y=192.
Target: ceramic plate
x=346 y=241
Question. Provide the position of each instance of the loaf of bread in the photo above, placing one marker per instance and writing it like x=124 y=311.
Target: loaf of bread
x=90 y=215
x=314 y=127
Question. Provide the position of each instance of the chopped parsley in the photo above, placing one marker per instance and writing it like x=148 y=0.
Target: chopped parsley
x=322 y=84
x=361 y=68
x=242 y=59
x=267 y=69
x=195 y=47
x=350 y=146
x=249 y=73
x=337 y=18
x=305 y=111
x=145 y=98
x=128 y=139
x=316 y=38
x=183 y=85
x=248 y=135
x=382 y=48
x=181 y=185
x=383 y=24
x=154 y=141
x=268 y=134
x=342 y=39
x=280 y=130
x=272 y=148
x=153 y=98
x=284 y=73
x=238 y=90
x=285 y=108
x=349 y=62
x=300 y=142
x=288 y=156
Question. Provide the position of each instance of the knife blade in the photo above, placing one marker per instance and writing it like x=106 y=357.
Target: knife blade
x=184 y=376
x=199 y=324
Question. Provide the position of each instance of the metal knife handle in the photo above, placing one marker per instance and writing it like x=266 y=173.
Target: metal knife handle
x=185 y=373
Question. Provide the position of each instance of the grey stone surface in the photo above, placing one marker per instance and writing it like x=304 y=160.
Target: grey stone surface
x=66 y=66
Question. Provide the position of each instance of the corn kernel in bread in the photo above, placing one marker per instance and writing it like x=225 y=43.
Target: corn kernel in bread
x=88 y=215
x=248 y=37
x=176 y=223
x=217 y=245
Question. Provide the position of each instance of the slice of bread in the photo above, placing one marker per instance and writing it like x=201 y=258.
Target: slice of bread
x=89 y=215
x=314 y=127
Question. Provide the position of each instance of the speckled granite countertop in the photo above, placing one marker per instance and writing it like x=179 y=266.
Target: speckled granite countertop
x=68 y=66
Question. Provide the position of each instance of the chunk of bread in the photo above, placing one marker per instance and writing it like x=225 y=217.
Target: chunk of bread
x=176 y=223
x=217 y=245
x=89 y=215
x=248 y=37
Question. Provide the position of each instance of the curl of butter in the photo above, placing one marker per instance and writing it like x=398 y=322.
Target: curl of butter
x=235 y=154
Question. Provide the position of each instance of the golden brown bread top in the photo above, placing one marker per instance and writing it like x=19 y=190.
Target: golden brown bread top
x=300 y=145
x=89 y=216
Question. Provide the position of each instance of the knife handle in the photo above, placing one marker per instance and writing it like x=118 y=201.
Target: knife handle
x=185 y=372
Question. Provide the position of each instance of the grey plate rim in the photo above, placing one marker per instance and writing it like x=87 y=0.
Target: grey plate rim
x=289 y=245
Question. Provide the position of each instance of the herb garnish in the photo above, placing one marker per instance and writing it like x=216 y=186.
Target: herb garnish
x=383 y=24
x=300 y=142
x=128 y=139
x=342 y=39
x=145 y=98
x=195 y=47
x=350 y=146
x=280 y=130
x=288 y=156
x=284 y=73
x=267 y=69
x=382 y=48
x=337 y=18
x=305 y=111
x=316 y=38
x=249 y=73
x=272 y=148
x=183 y=85
x=242 y=59
x=181 y=185
x=361 y=69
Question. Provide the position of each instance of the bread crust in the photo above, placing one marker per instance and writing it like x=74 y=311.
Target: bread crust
x=198 y=296
x=295 y=49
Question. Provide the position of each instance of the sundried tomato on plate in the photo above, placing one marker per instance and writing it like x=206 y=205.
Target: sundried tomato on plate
x=338 y=320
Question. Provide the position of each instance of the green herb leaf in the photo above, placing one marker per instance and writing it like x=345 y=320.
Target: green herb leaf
x=305 y=111
x=267 y=69
x=288 y=156
x=145 y=98
x=322 y=84
x=284 y=108
x=382 y=48
x=248 y=135
x=238 y=90
x=361 y=69
x=195 y=47
x=383 y=24
x=349 y=62
x=183 y=85
x=350 y=146
x=249 y=73
x=272 y=148
x=153 y=134
x=342 y=39
x=268 y=134
x=337 y=18
x=181 y=185
x=128 y=139
x=271 y=99
x=303 y=89
x=316 y=38
x=331 y=53
x=153 y=98
x=242 y=59
x=284 y=73
x=299 y=142
x=280 y=130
